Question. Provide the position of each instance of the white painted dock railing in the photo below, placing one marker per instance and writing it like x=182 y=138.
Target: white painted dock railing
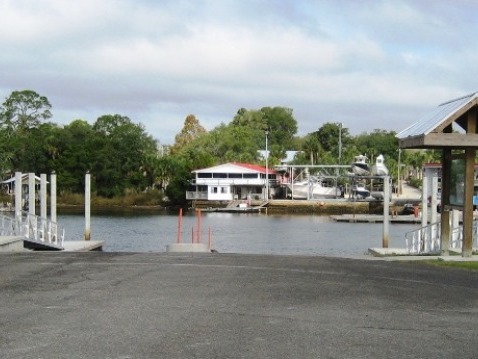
x=426 y=240
x=456 y=240
x=33 y=228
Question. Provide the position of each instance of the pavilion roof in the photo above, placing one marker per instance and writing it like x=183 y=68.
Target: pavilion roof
x=433 y=129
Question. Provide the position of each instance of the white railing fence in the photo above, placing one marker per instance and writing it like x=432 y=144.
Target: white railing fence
x=426 y=240
x=7 y=226
x=32 y=228
x=456 y=240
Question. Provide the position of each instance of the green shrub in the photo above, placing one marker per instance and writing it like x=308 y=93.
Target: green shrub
x=130 y=198
x=415 y=182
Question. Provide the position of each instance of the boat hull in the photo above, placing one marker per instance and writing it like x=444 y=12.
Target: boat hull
x=360 y=170
x=306 y=191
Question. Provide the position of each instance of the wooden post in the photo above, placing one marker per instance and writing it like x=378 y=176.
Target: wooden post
x=87 y=235
x=470 y=154
x=445 y=196
x=53 y=197
x=31 y=193
x=43 y=213
x=386 y=208
x=433 y=201
x=18 y=200
x=53 y=218
x=468 y=202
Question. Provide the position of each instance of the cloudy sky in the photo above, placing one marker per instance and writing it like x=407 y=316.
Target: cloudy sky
x=367 y=64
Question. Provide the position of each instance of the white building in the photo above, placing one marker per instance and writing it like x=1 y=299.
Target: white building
x=232 y=181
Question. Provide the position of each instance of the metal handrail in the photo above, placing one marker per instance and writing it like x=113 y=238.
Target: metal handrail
x=456 y=241
x=426 y=240
x=33 y=228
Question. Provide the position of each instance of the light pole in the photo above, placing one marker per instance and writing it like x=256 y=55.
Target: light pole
x=267 y=168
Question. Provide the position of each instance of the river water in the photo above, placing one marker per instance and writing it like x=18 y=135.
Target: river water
x=236 y=233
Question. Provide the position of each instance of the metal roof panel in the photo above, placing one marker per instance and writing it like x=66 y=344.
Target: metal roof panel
x=436 y=117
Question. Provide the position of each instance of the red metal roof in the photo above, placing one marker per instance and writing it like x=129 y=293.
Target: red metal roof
x=248 y=166
x=257 y=168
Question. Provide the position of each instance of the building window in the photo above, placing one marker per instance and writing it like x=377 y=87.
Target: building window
x=219 y=175
x=213 y=189
x=250 y=175
x=223 y=190
x=205 y=175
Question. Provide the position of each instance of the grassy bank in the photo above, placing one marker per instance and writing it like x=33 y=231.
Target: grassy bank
x=305 y=207
x=317 y=207
x=130 y=199
x=471 y=265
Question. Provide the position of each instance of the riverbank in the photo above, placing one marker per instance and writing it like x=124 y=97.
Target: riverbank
x=320 y=207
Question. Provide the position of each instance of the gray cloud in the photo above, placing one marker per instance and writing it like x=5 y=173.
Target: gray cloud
x=366 y=64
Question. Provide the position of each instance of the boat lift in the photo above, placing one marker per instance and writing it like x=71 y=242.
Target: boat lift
x=301 y=172
x=333 y=173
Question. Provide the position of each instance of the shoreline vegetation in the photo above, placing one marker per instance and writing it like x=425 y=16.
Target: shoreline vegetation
x=153 y=201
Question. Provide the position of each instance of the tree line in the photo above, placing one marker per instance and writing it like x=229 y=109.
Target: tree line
x=122 y=157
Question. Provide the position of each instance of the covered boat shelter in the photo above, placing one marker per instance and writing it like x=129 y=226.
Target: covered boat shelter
x=452 y=127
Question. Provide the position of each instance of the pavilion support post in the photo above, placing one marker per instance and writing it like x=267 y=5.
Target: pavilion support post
x=470 y=153
x=445 y=196
x=468 y=202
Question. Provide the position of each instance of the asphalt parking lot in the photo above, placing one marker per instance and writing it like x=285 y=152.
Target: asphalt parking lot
x=126 y=305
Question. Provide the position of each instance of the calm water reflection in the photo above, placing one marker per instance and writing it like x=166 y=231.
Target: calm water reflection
x=237 y=233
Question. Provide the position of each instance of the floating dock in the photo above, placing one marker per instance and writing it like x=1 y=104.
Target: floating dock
x=256 y=209
x=376 y=218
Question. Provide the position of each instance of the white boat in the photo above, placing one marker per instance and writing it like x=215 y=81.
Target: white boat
x=313 y=188
x=379 y=168
x=360 y=166
x=359 y=191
